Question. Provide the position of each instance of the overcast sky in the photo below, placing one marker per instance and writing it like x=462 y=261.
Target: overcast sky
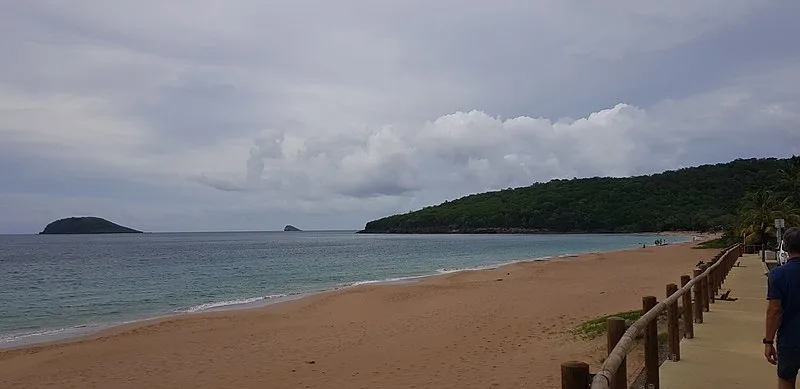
x=205 y=115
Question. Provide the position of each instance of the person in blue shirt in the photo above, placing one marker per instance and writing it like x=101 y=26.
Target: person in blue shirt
x=783 y=313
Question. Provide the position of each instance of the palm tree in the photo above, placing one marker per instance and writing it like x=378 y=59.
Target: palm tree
x=758 y=211
x=790 y=179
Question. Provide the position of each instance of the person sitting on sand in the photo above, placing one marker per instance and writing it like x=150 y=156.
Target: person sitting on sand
x=783 y=313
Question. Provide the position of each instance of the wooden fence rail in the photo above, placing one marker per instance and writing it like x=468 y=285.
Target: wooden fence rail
x=707 y=281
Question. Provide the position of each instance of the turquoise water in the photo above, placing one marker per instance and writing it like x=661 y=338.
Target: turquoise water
x=56 y=286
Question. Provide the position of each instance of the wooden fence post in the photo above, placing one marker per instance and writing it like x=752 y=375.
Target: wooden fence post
x=706 y=289
x=688 y=319
x=574 y=375
x=717 y=281
x=616 y=328
x=724 y=273
x=728 y=265
x=712 y=290
x=673 y=327
x=650 y=344
x=713 y=281
x=712 y=285
x=698 y=298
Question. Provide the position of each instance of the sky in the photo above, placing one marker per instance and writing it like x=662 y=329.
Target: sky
x=216 y=115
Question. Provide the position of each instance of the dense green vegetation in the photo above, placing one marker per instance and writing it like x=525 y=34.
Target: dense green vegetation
x=85 y=225
x=760 y=207
x=704 y=198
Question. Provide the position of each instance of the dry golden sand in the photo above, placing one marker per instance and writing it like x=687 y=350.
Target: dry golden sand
x=504 y=328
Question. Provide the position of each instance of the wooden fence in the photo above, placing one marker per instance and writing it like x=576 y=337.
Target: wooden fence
x=706 y=282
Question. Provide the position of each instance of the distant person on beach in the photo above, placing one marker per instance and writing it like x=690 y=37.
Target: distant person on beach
x=783 y=313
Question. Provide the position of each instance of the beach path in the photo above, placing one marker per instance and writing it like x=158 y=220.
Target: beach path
x=726 y=351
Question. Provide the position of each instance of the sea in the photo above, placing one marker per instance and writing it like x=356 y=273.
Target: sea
x=59 y=286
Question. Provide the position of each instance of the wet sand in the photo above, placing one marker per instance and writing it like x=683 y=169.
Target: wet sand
x=509 y=327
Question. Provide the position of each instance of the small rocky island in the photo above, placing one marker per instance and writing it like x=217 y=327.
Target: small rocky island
x=291 y=228
x=86 y=225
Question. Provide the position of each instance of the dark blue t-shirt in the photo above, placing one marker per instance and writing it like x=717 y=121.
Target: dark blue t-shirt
x=784 y=285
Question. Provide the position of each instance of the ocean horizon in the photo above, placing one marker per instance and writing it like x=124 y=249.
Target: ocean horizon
x=61 y=286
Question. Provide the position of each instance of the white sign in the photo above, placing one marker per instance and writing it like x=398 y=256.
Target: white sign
x=779 y=223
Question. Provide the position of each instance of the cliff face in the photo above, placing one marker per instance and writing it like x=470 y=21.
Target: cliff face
x=291 y=228
x=86 y=225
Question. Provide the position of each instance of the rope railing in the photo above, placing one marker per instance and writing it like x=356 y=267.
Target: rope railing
x=706 y=282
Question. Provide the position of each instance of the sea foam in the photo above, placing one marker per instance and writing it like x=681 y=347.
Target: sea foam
x=228 y=303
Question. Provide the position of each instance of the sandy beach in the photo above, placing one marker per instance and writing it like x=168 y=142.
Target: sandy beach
x=505 y=328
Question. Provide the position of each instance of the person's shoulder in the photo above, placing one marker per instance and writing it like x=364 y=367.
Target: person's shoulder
x=791 y=267
x=777 y=272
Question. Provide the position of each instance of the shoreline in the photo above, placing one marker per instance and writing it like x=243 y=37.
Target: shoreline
x=507 y=327
x=46 y=337
x=509 y=231
x=88 y=331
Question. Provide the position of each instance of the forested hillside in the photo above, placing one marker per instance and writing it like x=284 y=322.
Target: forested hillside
x=698 y=198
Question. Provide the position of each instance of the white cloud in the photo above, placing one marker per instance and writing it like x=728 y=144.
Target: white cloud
x=472 y=151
